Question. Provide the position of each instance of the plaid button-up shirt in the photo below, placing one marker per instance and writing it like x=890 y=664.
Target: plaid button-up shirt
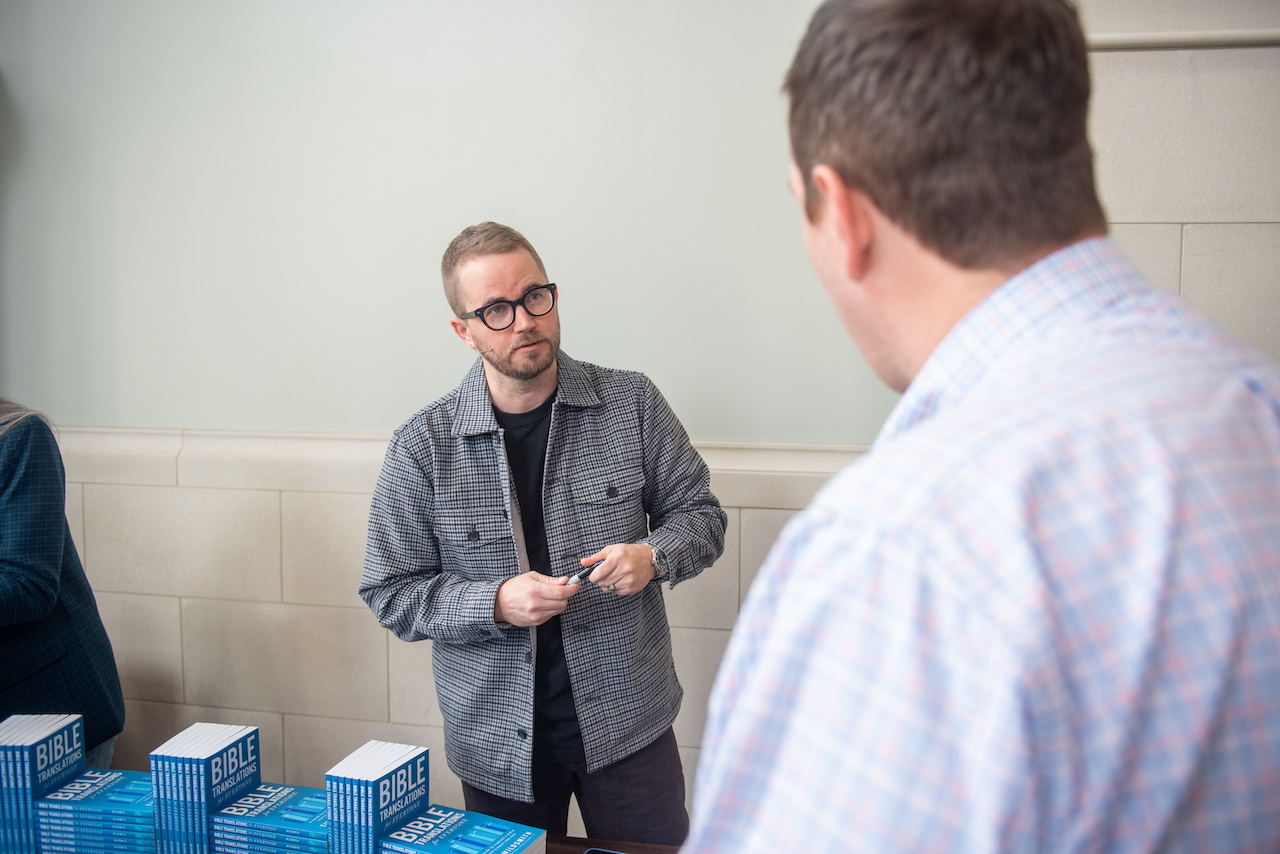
x=1042 y=615
x=619 y=469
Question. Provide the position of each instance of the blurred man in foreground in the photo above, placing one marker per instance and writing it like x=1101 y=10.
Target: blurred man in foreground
x=1043 y=613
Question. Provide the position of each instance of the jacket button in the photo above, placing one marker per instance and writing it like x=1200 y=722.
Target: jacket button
x=522 y=733
x=528 y=657
x=473 y=535
x=612 y=492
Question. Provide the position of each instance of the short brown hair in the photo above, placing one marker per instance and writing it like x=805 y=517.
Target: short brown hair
x=964 y=121
x=487 y=238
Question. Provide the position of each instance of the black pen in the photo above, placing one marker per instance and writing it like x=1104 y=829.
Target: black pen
x=577 y=579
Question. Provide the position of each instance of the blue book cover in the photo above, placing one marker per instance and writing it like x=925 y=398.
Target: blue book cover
x=374 y=789
x=276 y=810
x=397 y=795
x=226 y=776
x=56 y=757
x=232 y=771
x=43 y=752
x=97 y=792
x=201 y=770
x=99 y=811
x=445 y=830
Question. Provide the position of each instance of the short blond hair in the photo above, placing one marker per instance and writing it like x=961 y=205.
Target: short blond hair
x=486 y=238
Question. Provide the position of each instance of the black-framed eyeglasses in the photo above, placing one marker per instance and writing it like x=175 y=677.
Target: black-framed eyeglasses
x=500 y=314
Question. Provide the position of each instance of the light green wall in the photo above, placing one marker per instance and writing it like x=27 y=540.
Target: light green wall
x=230 y=214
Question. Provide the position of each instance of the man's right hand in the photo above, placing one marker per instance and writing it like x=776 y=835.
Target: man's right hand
x=531 y=599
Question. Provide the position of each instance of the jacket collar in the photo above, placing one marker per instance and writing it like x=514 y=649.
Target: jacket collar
x=473 y=411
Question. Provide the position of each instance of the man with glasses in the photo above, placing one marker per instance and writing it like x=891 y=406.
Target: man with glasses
x=496 y=505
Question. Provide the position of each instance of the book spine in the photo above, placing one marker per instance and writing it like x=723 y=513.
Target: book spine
x=160 y=782
x=177 y=813
x=202 y=803
x=328 y=805
x=166 y=839
x=352 y=810
x=223 y=841
x=90 y=834
x=223 y=844
x=8 y=800
x=24 y=832
x=171 y=805
x=192 y=801
x=392 y=847
x=367 y=817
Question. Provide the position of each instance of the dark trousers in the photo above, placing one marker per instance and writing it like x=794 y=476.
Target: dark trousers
x=636 y=799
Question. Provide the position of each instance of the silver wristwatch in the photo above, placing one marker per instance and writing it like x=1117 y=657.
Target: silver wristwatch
x=659 y=562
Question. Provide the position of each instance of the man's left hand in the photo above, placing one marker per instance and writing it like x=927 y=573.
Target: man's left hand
x=625 y=568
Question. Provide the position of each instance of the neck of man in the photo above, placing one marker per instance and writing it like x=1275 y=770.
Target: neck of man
x=930 y=314
x=515 y=396
x=938 y=298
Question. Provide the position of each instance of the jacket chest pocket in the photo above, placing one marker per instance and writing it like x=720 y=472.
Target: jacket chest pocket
x=476 y=544
x=609 y=507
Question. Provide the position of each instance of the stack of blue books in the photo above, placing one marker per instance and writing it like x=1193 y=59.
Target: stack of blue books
x=38 y=754
x=445 y=830
x=99 y=812
x=374 y=790
x=198 y=772
x=273 y=819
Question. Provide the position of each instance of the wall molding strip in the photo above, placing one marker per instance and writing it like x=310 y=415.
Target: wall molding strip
x=743 y=474
x=1199 y=40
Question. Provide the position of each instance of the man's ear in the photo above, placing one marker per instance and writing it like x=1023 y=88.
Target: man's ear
x=460 y=326
x=843 y=210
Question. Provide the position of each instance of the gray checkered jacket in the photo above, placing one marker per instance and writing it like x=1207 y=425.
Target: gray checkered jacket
x=619 y=469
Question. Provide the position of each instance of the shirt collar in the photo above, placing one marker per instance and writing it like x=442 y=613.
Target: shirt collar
x=473 y=413
x=1076 y=281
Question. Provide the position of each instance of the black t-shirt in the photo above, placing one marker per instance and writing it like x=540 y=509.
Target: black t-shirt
x=555 y=716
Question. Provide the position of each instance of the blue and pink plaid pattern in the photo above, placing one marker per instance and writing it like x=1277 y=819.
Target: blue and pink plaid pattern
x=1043 y=614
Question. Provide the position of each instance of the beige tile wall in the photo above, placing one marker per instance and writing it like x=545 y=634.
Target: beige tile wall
x=1190 y=174
x=225 y=567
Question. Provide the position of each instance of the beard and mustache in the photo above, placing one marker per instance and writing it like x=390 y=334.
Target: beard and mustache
x=525 y=367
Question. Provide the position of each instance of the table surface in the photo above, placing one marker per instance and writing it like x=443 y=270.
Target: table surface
x=577 y=845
